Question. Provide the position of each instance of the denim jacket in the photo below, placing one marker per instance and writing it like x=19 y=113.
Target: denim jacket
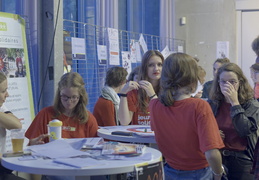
x=245 y=118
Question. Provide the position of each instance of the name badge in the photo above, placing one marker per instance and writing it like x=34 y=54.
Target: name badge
x=68 y=128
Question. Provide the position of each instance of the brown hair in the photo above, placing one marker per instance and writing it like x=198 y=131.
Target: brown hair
x=115 y=76
x=255 y=45
x=142 y=95
x=72 y=79
x=179 y=70
x=245 y=92
x=2 y=77
x=134 y=72
x=255 y=67
x=201 y=74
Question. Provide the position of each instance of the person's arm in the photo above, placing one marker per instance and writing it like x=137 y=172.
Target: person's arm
x=125 y=115
x=245 y=117
x=213 y=157
x=38 y=140
x=9 y=121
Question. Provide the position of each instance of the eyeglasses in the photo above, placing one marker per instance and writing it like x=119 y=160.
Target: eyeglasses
x=233 y=82
x=66 y=98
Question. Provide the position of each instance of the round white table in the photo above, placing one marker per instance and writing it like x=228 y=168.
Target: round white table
x=48 y=167
x=106 y=133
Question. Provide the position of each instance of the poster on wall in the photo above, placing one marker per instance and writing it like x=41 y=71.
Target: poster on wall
x=102 y=54
x=125 y=55
x=78 y=48
x=143 y=44
x=14 y=64
x=222 y=49
x=113 y=37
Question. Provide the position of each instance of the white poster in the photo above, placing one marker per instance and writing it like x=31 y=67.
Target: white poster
x=78 y=48
x=133 y=53
x=166 y=52
x=143 y=43
x=180 y=49
x=222 y=49
x=138 y=52
x=126 y=61
x=102 y=54
x=113 y=37
x=15 y=65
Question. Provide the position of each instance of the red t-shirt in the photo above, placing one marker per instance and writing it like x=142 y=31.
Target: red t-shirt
x=232 y=140
x=184 y=132
x=139 y=117
x=70 y=128
x=104 y=112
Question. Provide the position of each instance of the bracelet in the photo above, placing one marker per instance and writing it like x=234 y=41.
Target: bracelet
x=122 y=95
x=152 y=96
x=220 y=174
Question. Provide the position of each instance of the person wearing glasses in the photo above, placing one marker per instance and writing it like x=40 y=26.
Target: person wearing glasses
x=69 y=107
x=236 y=111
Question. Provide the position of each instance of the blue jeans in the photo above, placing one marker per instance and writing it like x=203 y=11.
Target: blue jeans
x=200 y=174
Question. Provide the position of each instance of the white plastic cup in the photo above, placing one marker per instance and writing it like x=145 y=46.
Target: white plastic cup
x=55 y=130
x=17 y=138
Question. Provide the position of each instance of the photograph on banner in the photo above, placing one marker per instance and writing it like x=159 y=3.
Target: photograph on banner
x=78 y=48
x=12 y=62
x=153 y=171
x=126 y=63
x=113 y=38
x=143 y=44
x=15 y=65
x=222 y=49
x=102 y=54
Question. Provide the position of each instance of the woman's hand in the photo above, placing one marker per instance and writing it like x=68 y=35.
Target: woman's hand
x=147 y=86
x=38 y=140
x=230 y=93
x=222 y=135
x=129 y=86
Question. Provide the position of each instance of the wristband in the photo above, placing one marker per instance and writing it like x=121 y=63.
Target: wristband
x=122 y=95
x=152 y=96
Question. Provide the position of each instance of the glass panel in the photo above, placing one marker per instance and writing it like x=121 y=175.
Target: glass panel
x=9 y=6
x=90 y=11
x=140 y=16
x=70 y=10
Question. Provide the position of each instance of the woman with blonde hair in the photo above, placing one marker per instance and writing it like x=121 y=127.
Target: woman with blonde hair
x=69 y=107
x=7 y=121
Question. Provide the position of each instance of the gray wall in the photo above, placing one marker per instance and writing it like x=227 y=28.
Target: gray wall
x=207 y=21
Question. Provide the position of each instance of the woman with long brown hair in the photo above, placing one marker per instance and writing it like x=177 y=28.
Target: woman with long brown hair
x=135 y=96
x=236 y=111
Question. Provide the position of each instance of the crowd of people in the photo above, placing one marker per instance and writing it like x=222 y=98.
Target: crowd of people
x=209 y=134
